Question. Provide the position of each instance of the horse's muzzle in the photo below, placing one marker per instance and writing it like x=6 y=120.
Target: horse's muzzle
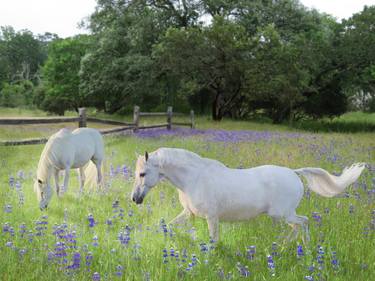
x=138 y=200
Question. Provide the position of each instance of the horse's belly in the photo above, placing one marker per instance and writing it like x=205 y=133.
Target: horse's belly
x=241 y=214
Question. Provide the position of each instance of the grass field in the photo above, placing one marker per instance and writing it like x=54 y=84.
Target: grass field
x=130 y=242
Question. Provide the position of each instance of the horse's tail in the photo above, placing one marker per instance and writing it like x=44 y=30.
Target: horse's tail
x=327 y=185
x=91 y=175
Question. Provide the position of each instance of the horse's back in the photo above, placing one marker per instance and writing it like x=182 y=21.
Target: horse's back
x=88 y=138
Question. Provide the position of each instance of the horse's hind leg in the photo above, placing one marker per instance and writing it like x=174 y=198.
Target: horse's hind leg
x=66 y=178
x=297 y=221
x=213 y=227
x=98 y=164
x=82 y=178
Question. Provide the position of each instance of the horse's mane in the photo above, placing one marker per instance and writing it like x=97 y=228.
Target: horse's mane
x=50 y=150
x=182 y=157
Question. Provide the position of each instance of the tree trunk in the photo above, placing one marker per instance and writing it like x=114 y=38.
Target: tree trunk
x=217 y=114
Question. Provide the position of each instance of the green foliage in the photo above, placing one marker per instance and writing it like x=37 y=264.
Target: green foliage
x=239 y=59
x=17 y=95
x=60 y=75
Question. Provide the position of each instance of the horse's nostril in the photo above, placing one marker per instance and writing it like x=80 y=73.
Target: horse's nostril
x=133 y=199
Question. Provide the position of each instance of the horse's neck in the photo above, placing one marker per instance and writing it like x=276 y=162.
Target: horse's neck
x=180 y=174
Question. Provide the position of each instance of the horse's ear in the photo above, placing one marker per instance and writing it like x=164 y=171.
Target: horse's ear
x=146 y=155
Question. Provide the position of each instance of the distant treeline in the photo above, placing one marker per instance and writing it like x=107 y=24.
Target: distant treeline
x=236 y=58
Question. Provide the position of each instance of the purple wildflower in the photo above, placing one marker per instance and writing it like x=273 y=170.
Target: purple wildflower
x=89 y=258
x=300 y=252
x=91 y=220
x=271 y=264
x=96 y=276
x=8 y=208
x=250 y=252
x=119 y=270
x=243 y=270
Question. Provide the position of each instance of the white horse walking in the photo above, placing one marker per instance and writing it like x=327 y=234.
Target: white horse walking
x=210 y=190
x=67 y=150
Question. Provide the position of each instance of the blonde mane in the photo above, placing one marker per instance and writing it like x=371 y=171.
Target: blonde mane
x=50 y=152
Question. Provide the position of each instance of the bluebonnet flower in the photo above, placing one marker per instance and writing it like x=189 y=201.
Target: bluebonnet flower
x=91 y=220
x=95 y=241
x=317 y=218
x=309 y=278
x=163 y=226
x=89 y=258
x=165 y=256
x=172 y=252
x=96 y=276
x=243 y=270
x=250 y=252
x=76 y=261
x=300 y=252
x=9 y=244
x=119 y=270
x=184 y=255
x=130 y=213
x=8 y=208
x=334 y=261
x=11 y=182
x=22 y=253
x=193 y=233
x=320 y=257
x=203 y=247
x=6 y=227
x=271 y=264
x=124 y=236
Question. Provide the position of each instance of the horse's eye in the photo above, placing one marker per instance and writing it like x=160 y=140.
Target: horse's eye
x=40 y=182
x=142 y=175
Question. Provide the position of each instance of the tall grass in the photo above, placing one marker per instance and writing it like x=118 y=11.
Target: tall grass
x=135 y=237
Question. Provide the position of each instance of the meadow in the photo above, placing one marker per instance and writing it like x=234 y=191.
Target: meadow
x=103 y=235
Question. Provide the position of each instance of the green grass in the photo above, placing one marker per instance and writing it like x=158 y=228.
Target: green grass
x=340 y=230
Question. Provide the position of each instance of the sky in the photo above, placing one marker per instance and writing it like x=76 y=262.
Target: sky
x=62 y=16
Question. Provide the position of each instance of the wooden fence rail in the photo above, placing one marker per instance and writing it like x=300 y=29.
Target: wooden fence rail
x=82 y=120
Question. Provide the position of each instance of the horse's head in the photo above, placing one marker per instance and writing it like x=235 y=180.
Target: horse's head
x=147 y=175
x=43 y=193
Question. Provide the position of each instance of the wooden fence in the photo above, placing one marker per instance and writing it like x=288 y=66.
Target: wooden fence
x=82 y=120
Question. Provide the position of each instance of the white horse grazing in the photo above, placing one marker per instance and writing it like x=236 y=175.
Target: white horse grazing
x=210 y=190
x=67 y=150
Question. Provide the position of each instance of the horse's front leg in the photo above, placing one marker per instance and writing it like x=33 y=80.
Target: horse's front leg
x=66 y=179
x=181 y=218
x=82 y=178
x=213 y=227
x=56 y=174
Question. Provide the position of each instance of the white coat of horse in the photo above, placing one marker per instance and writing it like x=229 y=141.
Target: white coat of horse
x=67 y=150
x=210 y=190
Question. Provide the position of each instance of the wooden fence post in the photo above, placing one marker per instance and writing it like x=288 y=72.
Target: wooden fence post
x=136 y=118
x=192 y=119
x=82 y=117
x=169 y=117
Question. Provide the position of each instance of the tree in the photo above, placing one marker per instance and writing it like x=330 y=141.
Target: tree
x=60 y=74
x=207 y=60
